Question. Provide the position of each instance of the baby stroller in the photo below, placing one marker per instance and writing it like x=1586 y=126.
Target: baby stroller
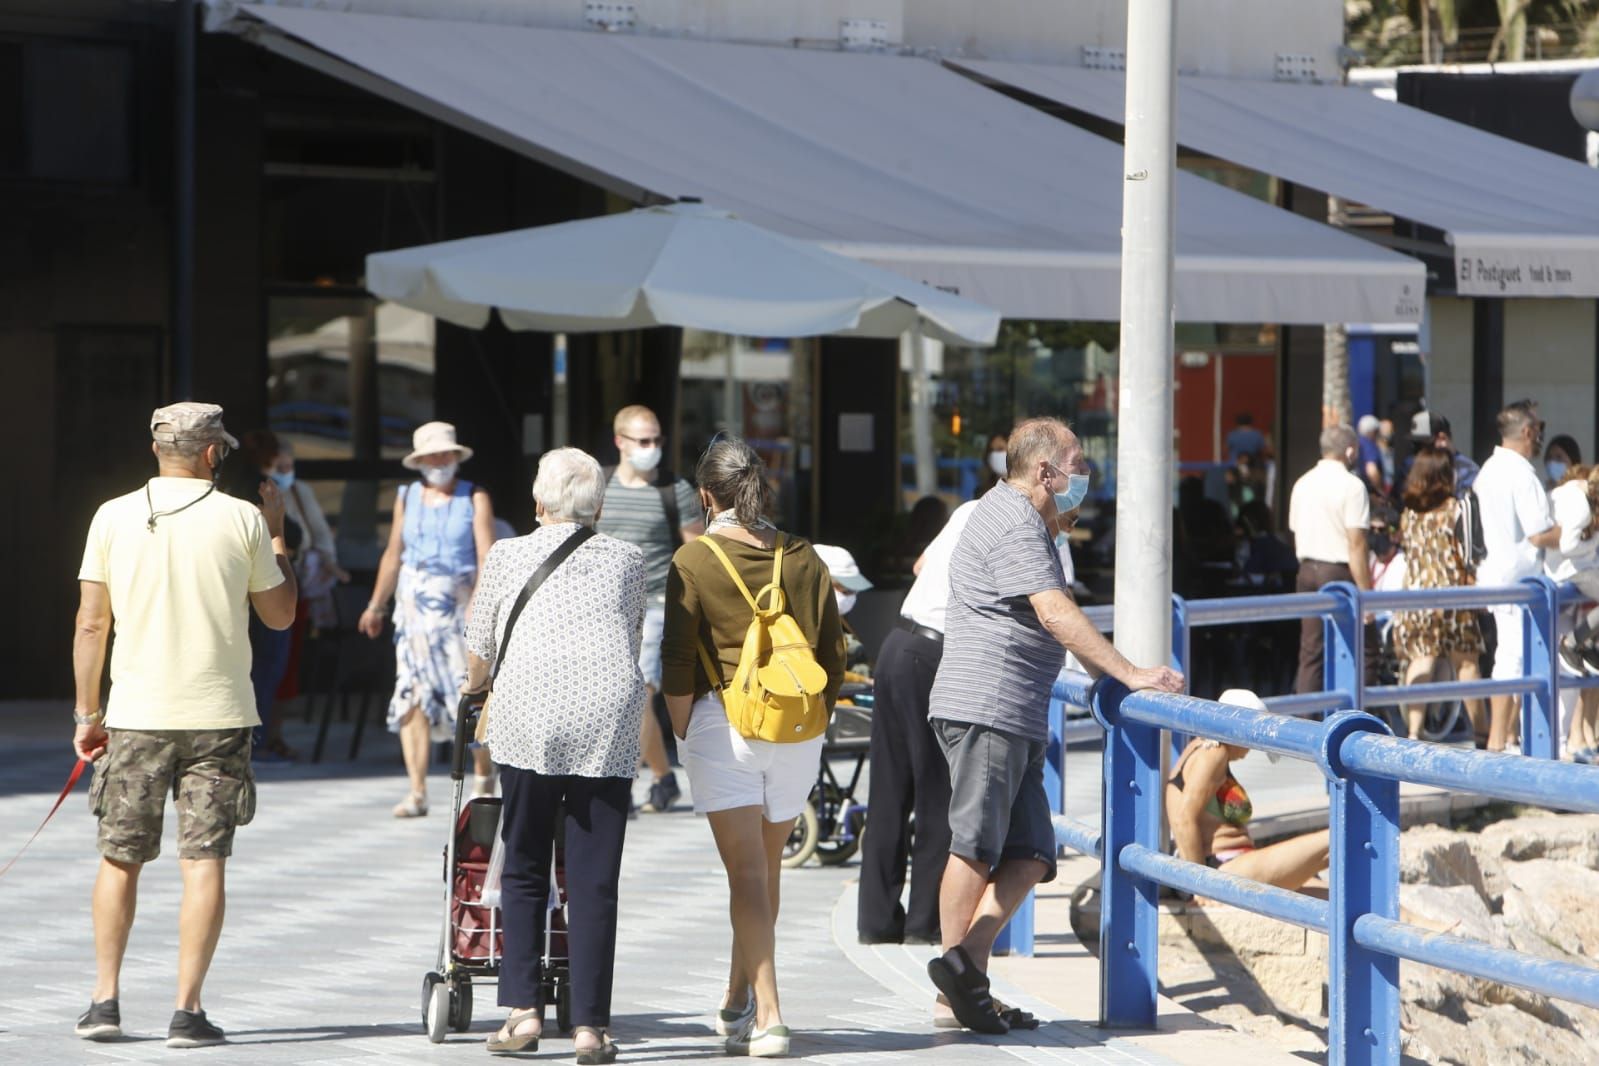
x=832 y=824
x=471 y=938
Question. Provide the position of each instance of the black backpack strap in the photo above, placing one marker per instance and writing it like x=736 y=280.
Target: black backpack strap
x=546 y=568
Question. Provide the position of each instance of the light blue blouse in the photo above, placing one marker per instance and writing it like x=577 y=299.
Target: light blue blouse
x=438 y=540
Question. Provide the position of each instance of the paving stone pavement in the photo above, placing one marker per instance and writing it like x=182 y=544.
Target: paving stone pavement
x=333 y=911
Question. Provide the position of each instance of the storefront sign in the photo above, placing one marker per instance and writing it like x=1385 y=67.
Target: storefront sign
x=1501 y=269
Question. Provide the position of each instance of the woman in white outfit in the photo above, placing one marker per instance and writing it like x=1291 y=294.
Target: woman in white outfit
x=1577 y=560
x=750 y=790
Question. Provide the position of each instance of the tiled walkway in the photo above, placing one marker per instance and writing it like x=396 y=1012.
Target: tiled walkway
x=332 y=921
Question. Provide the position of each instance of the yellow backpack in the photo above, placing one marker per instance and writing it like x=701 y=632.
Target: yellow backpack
x=777 y=692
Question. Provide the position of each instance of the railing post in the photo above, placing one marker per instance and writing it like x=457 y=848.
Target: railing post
x=1344 y=649
x=1540 y=658
x=1362 y=985
x=1130 y=814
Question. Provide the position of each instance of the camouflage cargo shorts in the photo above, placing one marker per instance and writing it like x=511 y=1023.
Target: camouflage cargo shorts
x=206 y=771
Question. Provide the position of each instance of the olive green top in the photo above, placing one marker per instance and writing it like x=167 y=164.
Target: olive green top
x=702 y=602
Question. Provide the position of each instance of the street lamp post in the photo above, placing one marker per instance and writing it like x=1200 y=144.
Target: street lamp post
x=1144 y=411
x=1143 y=466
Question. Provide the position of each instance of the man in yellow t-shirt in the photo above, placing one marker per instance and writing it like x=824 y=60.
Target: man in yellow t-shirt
x=172 y=569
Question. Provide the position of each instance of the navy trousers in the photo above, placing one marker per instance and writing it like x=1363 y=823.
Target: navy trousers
x=593 y=813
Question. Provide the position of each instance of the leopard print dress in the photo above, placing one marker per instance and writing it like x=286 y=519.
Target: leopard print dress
x=1433 y=560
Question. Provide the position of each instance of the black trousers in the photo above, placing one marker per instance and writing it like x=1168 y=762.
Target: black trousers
x=909 y=775
x=595 y=817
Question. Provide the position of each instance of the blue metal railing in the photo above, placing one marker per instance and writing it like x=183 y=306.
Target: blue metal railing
x=1363 y=765
x=1342 y=607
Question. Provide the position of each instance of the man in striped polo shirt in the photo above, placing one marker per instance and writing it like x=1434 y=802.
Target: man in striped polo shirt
x=1009 y=624
x=646 y=506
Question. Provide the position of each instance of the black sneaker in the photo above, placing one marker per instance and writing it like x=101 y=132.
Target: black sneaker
x=190 y=1029
x=663 y=794
x=1590 y=656
x=102 y=1021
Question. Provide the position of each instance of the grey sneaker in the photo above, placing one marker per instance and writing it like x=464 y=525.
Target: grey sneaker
x=737 y=1023
x=769 y=1043
x=102 y=1021
x=189 y=1028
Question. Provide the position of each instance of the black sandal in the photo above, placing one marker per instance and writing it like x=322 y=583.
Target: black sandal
x=966 y=987
x=1017 y=1018
x=596 y=1056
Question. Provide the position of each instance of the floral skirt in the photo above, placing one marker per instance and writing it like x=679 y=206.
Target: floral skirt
x=429 y=647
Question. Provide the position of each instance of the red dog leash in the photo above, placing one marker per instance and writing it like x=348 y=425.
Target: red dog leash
x=72 y=781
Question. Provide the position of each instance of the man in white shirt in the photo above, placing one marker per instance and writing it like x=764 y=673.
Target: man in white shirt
x=1516 y=526
x=1328 y=513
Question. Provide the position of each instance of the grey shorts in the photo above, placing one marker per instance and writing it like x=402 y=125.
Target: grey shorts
x=997 y=806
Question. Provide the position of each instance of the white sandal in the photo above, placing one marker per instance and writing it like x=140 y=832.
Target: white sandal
x=414 y=805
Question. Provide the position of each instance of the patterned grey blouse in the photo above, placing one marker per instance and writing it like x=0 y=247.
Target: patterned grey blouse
x=569 y=697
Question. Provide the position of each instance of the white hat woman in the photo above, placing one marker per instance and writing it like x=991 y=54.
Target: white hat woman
x=443 y=527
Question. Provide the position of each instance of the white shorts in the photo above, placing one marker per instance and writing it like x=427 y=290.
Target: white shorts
x=649 y=649
x=1507 y=653
x=726 y=771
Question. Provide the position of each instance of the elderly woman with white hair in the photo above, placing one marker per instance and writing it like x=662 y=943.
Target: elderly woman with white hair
x=564 y=727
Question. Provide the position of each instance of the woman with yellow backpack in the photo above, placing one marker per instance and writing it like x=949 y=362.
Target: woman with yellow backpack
x=752 y=660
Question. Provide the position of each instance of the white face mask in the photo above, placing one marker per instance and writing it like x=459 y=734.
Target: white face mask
x=440 y=476
x=996 y=463
x=645 y=459
x=846 y=601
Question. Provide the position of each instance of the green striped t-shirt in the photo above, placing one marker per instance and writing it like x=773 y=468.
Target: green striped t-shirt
x=636 y=516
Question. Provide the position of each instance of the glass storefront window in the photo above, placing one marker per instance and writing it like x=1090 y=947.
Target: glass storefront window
x=1064 y=369
x=759 y=389
x=321 y=352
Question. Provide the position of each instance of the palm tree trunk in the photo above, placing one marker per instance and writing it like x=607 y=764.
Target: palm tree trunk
x=1336 y=405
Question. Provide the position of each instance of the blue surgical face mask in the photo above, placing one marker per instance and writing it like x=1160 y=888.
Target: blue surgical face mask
x=1556 y=468
x=1076 y=492
x=1061 y=540
x=283 y=479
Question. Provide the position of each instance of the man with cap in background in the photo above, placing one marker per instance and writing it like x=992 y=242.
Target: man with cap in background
x=173 y=567
x=1430 y=427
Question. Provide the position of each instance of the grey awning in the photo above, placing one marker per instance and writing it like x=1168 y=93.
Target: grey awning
x=894 y=160
x=1523 y=222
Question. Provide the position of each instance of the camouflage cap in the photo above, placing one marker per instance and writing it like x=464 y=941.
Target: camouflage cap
x=190 y=421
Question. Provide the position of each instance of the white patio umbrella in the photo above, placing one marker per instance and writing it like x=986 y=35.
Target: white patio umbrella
x=682 y=264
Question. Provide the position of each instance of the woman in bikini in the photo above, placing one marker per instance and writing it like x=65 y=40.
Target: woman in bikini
x=1210 y=811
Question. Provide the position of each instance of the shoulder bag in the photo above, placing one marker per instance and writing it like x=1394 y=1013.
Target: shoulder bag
x=546 y=568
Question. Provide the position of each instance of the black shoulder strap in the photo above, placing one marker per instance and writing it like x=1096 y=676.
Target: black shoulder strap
x=666 y=485
x=546 y=568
